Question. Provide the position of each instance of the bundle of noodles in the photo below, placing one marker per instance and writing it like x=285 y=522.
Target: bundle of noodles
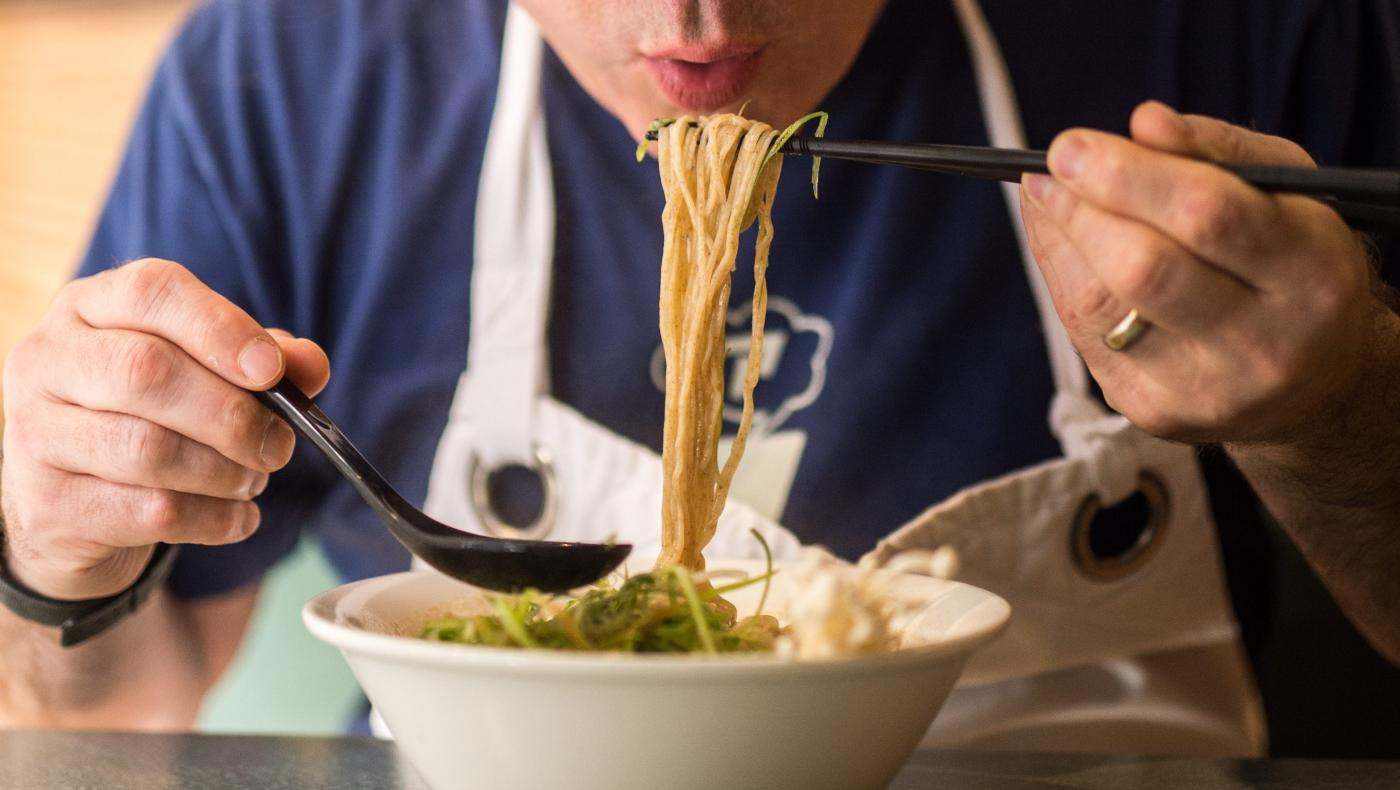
x=718 y=174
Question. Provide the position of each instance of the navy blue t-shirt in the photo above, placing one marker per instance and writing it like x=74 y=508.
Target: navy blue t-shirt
x=316 y=161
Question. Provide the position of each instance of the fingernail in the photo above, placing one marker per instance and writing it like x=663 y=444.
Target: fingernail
x=260 y=361
x=1067 y=157
x=1039 y=187
x=277 y=444
x=257 y=483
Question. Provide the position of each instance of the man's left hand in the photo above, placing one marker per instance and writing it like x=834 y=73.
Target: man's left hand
x=1260 y=306
x=1267 y=331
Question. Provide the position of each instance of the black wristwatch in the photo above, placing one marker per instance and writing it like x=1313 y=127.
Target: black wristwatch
x=79 y=621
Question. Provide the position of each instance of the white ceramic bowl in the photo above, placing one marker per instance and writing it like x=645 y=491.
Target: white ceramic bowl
x=503 y=719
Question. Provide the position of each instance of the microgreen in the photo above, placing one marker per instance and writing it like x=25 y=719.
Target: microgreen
x=656 y=126
x=664 y=611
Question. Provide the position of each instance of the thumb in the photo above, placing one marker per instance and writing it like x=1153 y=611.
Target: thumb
x=307 y=364
x=1156 y=125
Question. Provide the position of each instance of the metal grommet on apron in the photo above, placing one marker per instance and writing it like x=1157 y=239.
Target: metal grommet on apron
x=488 y=510
x=1081 y=665
x=1127 y=646
x=1110 y=541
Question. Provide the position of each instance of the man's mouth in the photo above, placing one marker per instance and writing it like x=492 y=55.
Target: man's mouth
x=704 y=80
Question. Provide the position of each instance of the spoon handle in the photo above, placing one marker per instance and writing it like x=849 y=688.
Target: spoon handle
x=492 y=563
x=289 y=403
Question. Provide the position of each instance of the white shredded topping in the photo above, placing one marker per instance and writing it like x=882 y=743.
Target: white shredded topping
x=841 y=610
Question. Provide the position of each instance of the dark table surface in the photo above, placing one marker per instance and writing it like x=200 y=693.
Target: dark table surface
x=43 y=760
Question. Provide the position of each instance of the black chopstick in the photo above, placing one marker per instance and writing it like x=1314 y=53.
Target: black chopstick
x=1367 y=186
x=1368 y=199
x=1365 y=217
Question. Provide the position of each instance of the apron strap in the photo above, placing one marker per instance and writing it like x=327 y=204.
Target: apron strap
x=507 y=365
x=1002 y=117
x=507 y=368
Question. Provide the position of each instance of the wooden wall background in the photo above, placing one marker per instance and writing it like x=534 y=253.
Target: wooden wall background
x=72 y=74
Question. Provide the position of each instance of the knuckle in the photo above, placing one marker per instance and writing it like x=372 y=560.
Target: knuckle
x=1091 y=306
x=223 y=323
x=32 y=443
x=1073 y=322
x=1218 y=410
x=275 y=451
x=151 y=447
x=147 y=366
x=244 y=421
x=1319 y=233
x=161 y=511
x=1112 y=169
x=1330 y=294
x=1155 y=421
x=1145 y=277
x=22 y=439
x=1234 y=144
x=1134 y=401
x=24 y=357
x=148 y=283
x=1351 y=280
x=68 y=295
x=1274 y=375
x=1210 y=217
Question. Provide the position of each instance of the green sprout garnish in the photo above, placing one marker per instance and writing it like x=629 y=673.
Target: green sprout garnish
x=514 y=613
x=664 y=611
x=821 y=118
x=656 y=126
x=697 y=609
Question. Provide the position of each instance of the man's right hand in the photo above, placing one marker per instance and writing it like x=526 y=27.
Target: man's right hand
x=129 y=422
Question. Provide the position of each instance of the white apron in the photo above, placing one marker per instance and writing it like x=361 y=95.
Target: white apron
x=1138 y=656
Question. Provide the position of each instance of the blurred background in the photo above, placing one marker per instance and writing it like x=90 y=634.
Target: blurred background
x=72 y=75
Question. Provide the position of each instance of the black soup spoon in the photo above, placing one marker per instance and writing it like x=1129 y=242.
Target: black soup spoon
x=493 y=563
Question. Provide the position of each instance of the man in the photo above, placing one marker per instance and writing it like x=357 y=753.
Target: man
x=316 y=166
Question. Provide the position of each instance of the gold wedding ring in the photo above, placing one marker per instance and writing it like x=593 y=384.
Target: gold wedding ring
x=1125 y=332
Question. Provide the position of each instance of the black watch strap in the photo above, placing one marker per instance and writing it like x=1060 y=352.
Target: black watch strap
x=79 y=621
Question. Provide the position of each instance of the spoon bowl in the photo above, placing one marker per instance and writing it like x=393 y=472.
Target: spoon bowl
x=503 y=564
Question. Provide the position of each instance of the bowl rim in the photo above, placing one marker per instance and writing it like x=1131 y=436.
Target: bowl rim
x=319 y=616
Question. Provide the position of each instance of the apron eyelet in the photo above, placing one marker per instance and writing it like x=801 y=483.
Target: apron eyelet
x=480 y=478
x=1109 y=543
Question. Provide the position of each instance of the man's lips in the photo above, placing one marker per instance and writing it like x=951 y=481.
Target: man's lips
x=703 y=81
